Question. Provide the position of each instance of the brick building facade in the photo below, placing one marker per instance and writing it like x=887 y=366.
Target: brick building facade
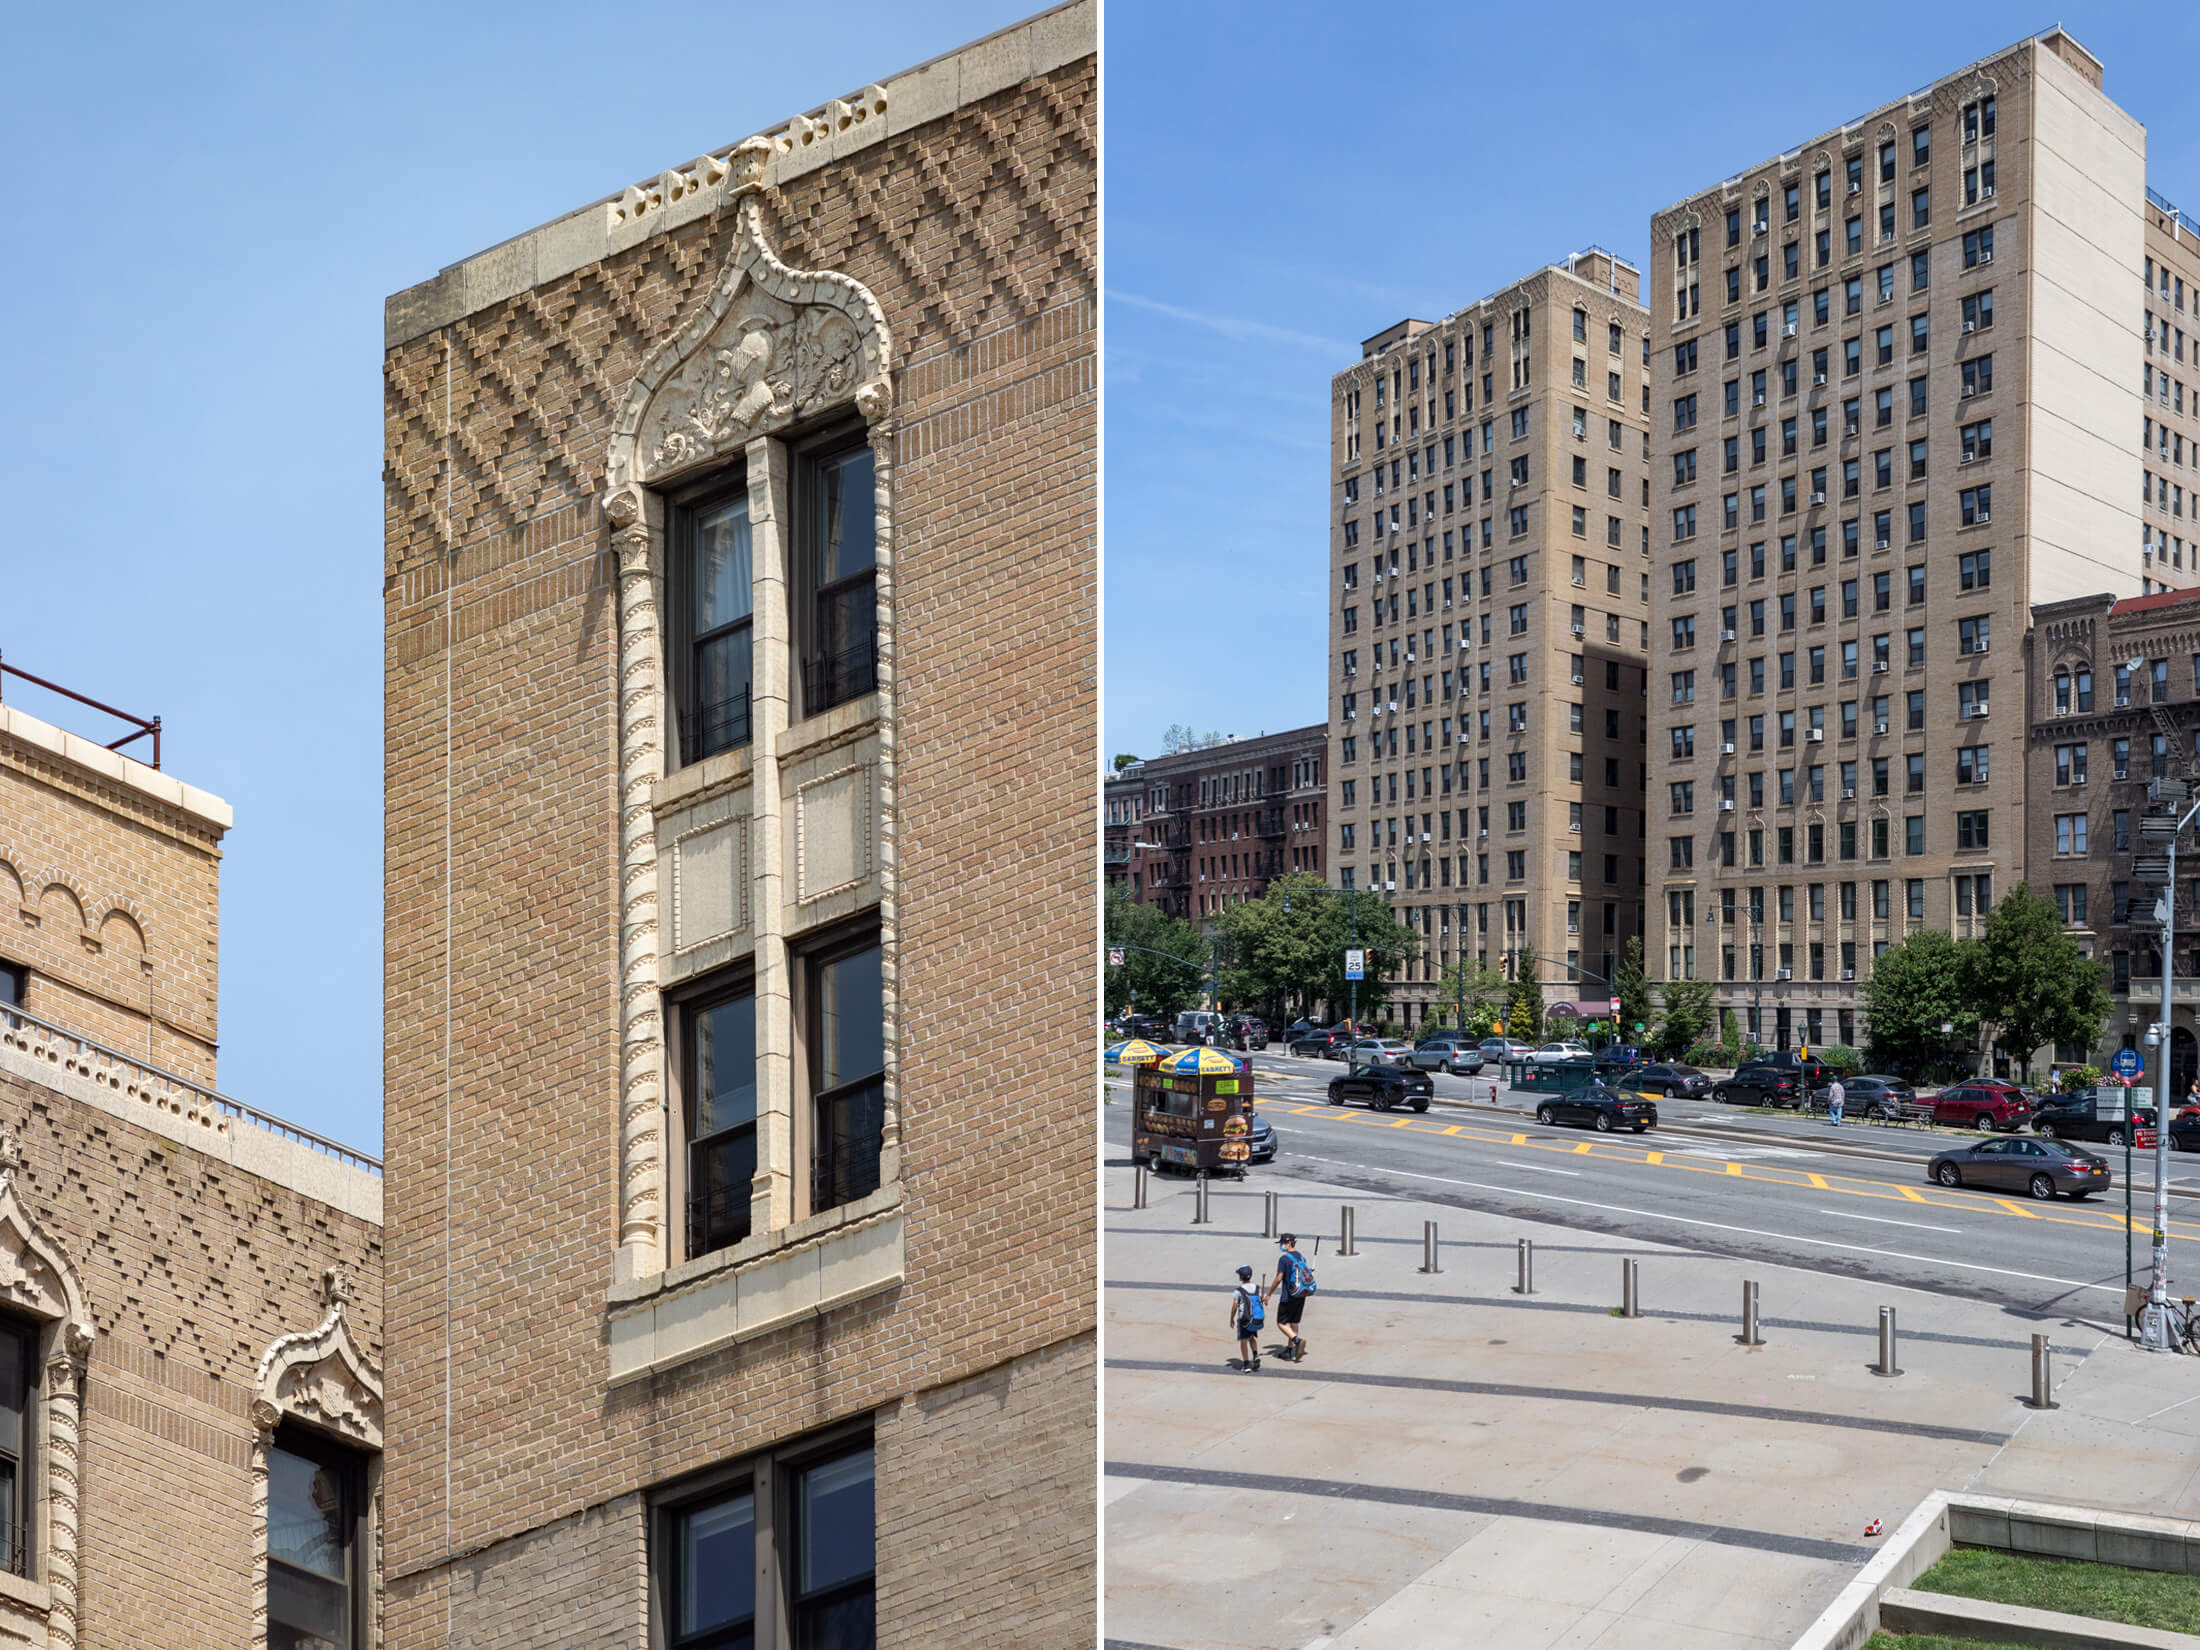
x=741 y=671
x=190 y=1289
x=1201 y=830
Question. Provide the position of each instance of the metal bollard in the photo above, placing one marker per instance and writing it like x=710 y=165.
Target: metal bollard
x=1199 y=1201
x=1428 y=1247
x=1526 y=1285
x=1138 y=1188
x=1886 y=1366
x=2043 y=1375
x=1630 y=1289
x=1346 y=1233
x=1750 y=1337
x=1272 y=1225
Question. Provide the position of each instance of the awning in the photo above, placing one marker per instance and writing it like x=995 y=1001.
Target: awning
x=1588 y=1009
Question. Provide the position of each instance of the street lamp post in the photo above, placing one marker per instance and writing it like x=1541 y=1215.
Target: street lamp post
x=1611 y=992
x=2154 y=1331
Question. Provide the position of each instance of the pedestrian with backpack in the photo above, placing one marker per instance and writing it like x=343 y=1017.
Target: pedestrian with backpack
x=1247 y=1318
x=1294 y=1281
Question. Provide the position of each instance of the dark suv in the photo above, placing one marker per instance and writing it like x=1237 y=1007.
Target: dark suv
x=2097 y=1114
x=1382 y=1087
x=1244 y=1032
x=1762 y=1083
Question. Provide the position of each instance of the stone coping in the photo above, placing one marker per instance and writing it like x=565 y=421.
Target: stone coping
x=1947 y=1519
x=930 y=91
x=202 y=806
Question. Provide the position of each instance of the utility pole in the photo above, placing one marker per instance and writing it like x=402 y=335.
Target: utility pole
x=2160 y=828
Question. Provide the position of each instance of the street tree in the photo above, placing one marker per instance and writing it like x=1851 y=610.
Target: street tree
x=1285 y=951
x=1524 y=1003
x=1630 y=990
x=1470 y=996
x=2028 y=982
x=1688 y=1017
x=1164 y=959
x=1916 y=988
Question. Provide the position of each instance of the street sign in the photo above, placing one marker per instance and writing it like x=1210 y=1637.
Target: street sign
x=1639 y=1026
x=1355 y=965
x=1115 y=956
x=2127 y=1064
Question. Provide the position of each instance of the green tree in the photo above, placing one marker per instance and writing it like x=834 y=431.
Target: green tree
x=1124 y=759
x=1178 y=739
x=2031 y=987
x=1916 y=988
x=1389 y=944
x=1688 y=1016
x=1524 y=1003
x=1164 y=958
x=1285 y=950
x=1631 y=990
x=1730 y=1030
x=1469 y=996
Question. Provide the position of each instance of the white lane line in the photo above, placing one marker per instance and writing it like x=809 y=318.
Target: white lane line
x=1722 y=1226
x=1540 y=1168
x=1881 y=1220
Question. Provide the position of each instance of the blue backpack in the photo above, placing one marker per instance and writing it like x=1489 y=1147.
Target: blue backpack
x=1251 y=1313
x=1298 y=1275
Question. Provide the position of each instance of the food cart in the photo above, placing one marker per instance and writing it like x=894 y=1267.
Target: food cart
x=1193 y=1111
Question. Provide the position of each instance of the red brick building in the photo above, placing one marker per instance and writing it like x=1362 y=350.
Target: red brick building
x=1198 y=831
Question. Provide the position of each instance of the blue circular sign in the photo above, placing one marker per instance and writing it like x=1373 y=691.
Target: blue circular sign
x=2127 y=1063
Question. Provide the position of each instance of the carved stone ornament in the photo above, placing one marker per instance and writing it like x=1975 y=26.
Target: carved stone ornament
x=35 y=1277
x=322 y=1377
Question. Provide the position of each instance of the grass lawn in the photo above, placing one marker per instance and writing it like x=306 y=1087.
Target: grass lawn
x=2106 y=1592
x=1918 y=1641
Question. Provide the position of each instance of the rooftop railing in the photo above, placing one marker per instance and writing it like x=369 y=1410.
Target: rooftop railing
x=145 y=729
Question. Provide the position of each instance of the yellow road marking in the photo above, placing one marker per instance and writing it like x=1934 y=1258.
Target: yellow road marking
x=2017 y=1208
x=1818 y=1183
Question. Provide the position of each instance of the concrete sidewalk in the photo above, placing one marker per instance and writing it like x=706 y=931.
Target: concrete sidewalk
x=1456 y=1462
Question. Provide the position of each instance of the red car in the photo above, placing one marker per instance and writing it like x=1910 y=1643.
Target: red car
x=1982 y=1103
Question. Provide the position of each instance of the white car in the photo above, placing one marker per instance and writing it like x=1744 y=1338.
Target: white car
x=1552 y=1053
x=1379 y=1051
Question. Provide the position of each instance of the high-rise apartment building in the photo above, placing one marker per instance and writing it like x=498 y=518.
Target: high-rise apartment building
x=2169 y=383
x=1896 y=370
x=1199 y=830
x=1489 y=627
x=741 y=680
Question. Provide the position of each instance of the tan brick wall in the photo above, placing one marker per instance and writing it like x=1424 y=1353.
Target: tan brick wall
x=977 y=232
x=191 y=1269
x=110 y=898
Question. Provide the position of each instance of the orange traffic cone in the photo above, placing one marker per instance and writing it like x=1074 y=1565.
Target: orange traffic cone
x=1872 y=1528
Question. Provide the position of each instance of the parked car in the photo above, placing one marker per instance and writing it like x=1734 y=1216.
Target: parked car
x=1812 y=1073
x=1261 y=1138
x=1319 y=1044
x=1505 y=1048
x=2102 y=1114
x=1761 y=1083
x=1622 y=1055
x=1669 y=1080
x=1380 y=1051
x=1448 y=1051
x=1552 y=1053
x=1300 y=1027
x=1196 y=1025
x=2041 y=1167
x=1382 y=1087
x=1149 y=1026
x=1982 y=1103
x=1871 y=1095
x=2184 y=1133
x=1600 y=1107
x=1244 y=1032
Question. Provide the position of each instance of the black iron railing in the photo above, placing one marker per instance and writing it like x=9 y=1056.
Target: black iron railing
x=705 y=730
x=717 y=1219
x=830 y=679
x=849 y=1132
x=145 y=729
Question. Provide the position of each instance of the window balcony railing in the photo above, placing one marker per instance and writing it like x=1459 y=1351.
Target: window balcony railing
x=723 y=725
x=849 y=1133
x=830 y=679
x=717 y=1219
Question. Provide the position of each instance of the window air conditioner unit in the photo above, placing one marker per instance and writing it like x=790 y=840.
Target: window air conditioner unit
x=1577 y=678
x=1818 y=498
x=1484 y=831
x=1968 y=458
x=1390 y=887
x=1881 y=544
x=1727 y=748
x=1785 y=974
x=1879 y=727
x=1970 y=326
x=1848 y=793
x=1817 y=378
x=1726 y=635
x=1978 y=708
x=1986 y=192
x=1969 y=390
x=1573 y=826
x=1816 y=736
x=1757 y=398
x=1987 y=256
x=1848 y=973
x=1981 y=519
x=1726 y=804
x=1787 y=329
x=1880 y=667
x=1581 y=630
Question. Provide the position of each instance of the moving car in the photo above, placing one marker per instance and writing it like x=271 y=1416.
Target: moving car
x=1552 y=1053
x=2102 y=1114
x=1261 y=1138
x=1870 y=1096
x=2040 y=1167
x=1382 y=1087
x=1601 y=1108
x=1504 y=1048
x=1982 y=1103
x=1669 y=1080
x=1374 y=1051
x=1761 y=1083
x=1448 y=1051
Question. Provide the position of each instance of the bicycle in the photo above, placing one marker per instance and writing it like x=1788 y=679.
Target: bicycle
x=2184 y=1326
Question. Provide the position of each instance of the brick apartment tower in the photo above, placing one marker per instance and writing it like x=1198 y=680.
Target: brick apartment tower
x=1897 y=372
x=1201 y=830
x=741 y=598
x=190 y=1328
x=1489 y=559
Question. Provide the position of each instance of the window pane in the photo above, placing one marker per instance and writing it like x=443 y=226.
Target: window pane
x=306 y=1514
x=845 y=518
x=851 y=1019
x=718 y=1565
x=723 y=674
x=721 y=566
x=839 y=544
x=14 y=1370
x=722 y=1089
x=833 y=1609
x=306 y=1612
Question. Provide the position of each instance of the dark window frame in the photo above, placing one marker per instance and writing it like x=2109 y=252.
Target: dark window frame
x=701 y=1234
x=851 y=669
x=698 y=736
x=311 y=1444
x=827 y=1183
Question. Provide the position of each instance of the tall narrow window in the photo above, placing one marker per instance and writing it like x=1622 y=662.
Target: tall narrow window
x=712 y=612
x=847 y=1051
x=18 y=1392
x=713 y=1584
x=835 y=1555
x=837 y=561
x=315 y=1596
x=718 y=1094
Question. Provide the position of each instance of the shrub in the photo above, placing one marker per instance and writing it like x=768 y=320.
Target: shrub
x=1842 y=1058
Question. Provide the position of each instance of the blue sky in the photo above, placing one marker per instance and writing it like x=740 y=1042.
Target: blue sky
x=1278 y=192
x=207 y=206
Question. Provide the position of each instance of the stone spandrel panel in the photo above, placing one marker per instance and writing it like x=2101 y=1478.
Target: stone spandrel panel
x=835 y=829
x=712 y=910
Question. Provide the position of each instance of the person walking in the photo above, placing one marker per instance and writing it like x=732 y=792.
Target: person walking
x=1247 y=1315
x=1836 y=1097
x=1294 y=1281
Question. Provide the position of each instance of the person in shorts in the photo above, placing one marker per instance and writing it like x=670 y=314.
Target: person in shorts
x=1247 y=1315
x=1290 y=1286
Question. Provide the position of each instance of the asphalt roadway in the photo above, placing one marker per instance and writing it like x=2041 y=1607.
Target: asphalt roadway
x=1727 y=1182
